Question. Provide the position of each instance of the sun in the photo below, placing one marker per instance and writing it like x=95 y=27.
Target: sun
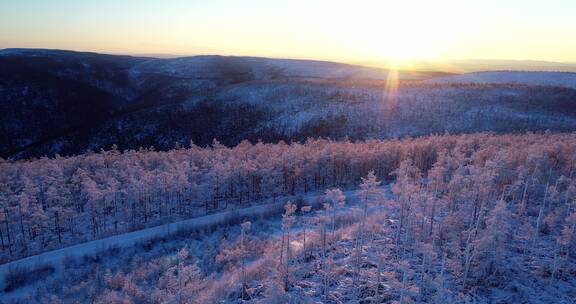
x=397 y=42
x=398 y=32
x=399 y=49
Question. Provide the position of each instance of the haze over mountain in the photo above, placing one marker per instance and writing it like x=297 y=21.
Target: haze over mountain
x=479 y=65
x=552 y=79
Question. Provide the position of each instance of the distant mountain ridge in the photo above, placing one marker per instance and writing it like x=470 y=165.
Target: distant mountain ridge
x=483 y=65
x=65 y=102
x=557 y=79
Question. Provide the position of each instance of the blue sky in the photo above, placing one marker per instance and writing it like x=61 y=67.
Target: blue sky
x=342 y=30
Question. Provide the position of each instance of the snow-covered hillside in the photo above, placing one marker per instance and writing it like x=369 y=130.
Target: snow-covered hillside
x=556 y=79
x=65 y=103
x=255 y=68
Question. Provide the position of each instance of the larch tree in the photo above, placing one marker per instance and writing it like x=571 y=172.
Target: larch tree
x=567 y=238
x=428 y=256
x=244 y=227
x=407 y=188
x=370 y=194
x=495 y=237
x=143 y=188
x=288 y=220
x=182 y=255
x=323 y=221
x=305 y=210
x=336 y=198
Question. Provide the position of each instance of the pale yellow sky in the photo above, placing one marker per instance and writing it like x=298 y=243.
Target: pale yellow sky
x=360 y=30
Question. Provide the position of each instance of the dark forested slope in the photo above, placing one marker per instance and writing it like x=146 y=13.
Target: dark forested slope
x=69 y=103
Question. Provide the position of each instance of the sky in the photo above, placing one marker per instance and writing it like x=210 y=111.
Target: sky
x=350 y=31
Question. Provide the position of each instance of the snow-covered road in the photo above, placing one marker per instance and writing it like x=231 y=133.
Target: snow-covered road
x=56 y=258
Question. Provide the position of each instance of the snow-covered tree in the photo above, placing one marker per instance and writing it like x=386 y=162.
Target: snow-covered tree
x=305 y=210
x=369 y=194
x=336 y=199
x=244 y=227
x=495 y=238
x=288 y=220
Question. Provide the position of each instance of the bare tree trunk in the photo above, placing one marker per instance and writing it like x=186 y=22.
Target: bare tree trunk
x=304 y=243
x=433 y=211
x=243 y=264
x=468 y=258
x=523 y=200
x=358 y=257
x=401 y=224
x=58 y=230
x=8 y=235
x=378 y=276
x=179 y=281
x=2 y=238
x=539 y=219
x=287 y=264
x=324 y=264
x=424 y=270
x=404 y=280
x=443 y=267
x=554 y=263
x=359 y=244
x=282 y=249
x=24 y=243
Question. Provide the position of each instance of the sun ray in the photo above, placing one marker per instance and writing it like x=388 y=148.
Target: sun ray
x=391 y=89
